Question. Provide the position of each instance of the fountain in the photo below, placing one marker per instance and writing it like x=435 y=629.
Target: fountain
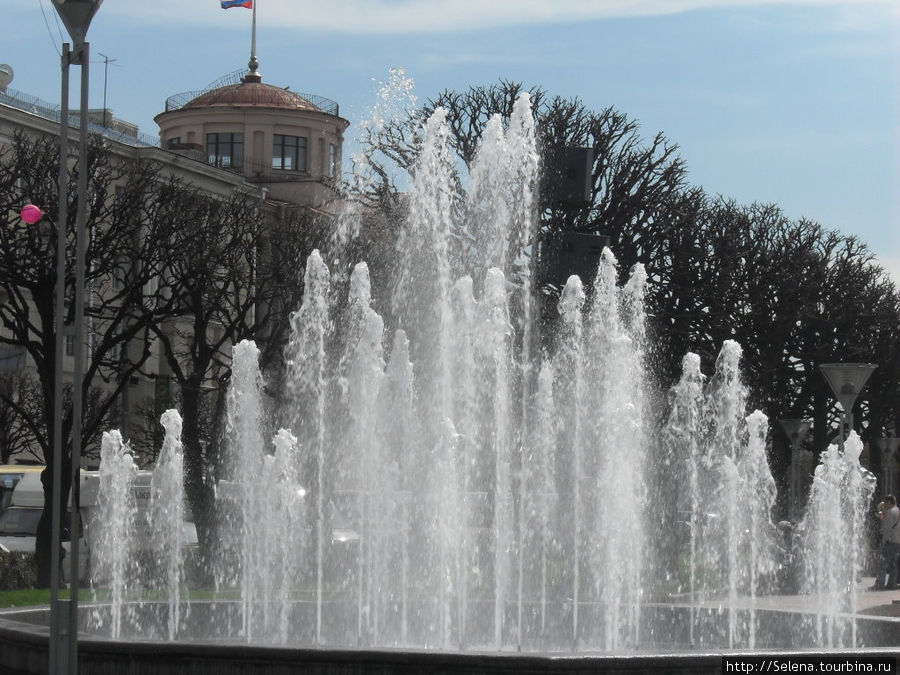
x=116 y=524
x=167 y=516
x=444 y=480
x=832 y=539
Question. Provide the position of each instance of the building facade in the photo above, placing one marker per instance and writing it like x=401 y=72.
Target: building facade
x=290 y=144
x=238 y=136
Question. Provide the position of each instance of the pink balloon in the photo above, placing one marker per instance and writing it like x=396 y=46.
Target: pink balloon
x=31 y=214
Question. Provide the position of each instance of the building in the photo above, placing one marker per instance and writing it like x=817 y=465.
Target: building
x=287 y=143
x=238 y=135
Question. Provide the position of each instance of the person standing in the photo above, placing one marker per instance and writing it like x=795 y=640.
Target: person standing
x=890 y=545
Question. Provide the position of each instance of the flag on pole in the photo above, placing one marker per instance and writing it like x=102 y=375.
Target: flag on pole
x=228 y=4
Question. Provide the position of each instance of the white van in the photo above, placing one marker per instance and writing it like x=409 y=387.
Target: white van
x=10 y=475
x=18 y=523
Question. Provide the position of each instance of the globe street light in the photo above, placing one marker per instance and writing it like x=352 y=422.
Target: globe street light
x=846 y=381
x=796 y=431
x=76 y=15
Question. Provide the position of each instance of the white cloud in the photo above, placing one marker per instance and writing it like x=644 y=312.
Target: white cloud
x=432 y=16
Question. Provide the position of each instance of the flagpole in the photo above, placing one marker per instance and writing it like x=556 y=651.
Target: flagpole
x=253 y=75
x=253 y=38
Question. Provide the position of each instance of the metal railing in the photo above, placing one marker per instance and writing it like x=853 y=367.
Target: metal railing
x=261 y=172
x=50 y=111
x=178 y=101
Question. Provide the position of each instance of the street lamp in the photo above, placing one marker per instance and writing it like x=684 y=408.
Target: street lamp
x=846 y=381
x=76 y=15
x=796 y=431
x=890 y=454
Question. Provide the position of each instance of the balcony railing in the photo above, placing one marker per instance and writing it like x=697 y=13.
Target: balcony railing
x=260 y=172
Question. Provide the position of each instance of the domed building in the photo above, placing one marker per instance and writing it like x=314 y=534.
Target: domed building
x=289 y=144
x=238 y=137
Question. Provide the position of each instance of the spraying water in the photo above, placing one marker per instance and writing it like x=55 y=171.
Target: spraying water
x=167 y=516
x=718 y=455
x=441 y=481
x=116 y=520
x=831 y=536
x=684 y=462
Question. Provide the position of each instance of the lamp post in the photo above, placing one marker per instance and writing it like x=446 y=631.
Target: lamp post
x=796 y=431
x=890 y=454
x=846 y=381
x=76 y=15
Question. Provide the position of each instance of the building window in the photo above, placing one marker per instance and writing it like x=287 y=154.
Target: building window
x=332 y=160
x=225 y=151
x=70 y=345
x=174 y=141
x=289 y=153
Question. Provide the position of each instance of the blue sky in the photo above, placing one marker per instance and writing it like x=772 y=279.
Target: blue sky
x=791 y=102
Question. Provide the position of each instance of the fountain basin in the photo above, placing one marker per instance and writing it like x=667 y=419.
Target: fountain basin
x=24 y=636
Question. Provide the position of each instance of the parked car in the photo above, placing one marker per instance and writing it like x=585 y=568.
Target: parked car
x=18 y=529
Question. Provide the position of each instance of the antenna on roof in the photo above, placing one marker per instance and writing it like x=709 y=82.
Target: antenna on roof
x=253 y=75
x=106 y=62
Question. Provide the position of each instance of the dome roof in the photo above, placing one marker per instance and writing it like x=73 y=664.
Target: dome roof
x=254 y=94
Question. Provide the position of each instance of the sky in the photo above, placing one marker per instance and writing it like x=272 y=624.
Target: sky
x=792 y=102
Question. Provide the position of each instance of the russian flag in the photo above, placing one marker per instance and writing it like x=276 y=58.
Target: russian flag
x=228 y=4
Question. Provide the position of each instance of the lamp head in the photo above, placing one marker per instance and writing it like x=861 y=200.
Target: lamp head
x=796 y=430
x=77 y=15
x=847 y=380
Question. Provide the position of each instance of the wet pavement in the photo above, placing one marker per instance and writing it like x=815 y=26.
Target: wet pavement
x=877 y=603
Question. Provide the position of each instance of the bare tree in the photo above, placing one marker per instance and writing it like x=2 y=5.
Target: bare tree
x=793 y=293
x=230 y=274
x=122 y=258
x=20 y=407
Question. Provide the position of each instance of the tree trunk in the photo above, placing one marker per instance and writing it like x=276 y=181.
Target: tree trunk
x=43 y=540
x=199 y=494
